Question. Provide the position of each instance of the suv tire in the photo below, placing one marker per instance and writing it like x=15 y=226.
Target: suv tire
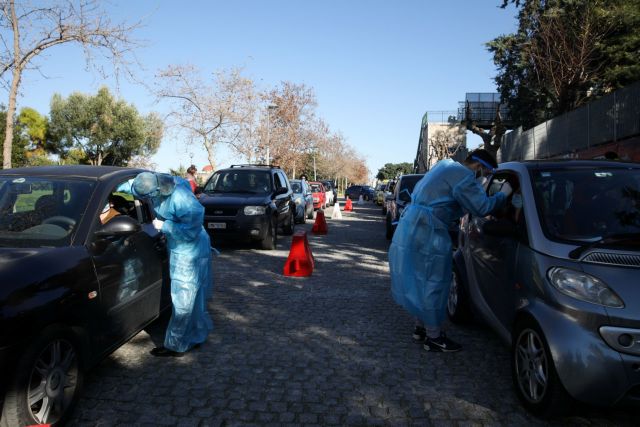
x=389 y=227
x=269 y=241
x=289 y=226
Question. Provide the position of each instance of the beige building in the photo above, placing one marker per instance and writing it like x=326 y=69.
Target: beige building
x=439 y=140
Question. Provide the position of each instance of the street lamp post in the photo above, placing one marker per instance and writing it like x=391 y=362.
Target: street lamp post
x=269 y=108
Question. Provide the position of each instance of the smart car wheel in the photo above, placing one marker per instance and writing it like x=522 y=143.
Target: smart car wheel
x=457 y=306
x=310 y=214
x=47 y=382
x=533 y=372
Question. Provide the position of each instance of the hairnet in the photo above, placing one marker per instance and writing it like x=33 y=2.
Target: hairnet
x=148 y=184
x=145 y=184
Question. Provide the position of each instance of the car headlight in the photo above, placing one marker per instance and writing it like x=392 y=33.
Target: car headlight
x=255 y=210
x=584 y=287
x=298 y=201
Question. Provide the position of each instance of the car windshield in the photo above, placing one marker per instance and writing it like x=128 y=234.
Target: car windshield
x=239 y=181
x=327 y=186
x=585 y=205
x=41 y=212
x=315 y=188
x=296 y=186
x=407 y=184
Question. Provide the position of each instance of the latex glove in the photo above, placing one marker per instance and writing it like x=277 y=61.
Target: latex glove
x=157 y=224
x=506 y=189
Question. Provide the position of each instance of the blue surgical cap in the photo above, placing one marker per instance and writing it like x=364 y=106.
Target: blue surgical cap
x=145 y=184
x=148 y=184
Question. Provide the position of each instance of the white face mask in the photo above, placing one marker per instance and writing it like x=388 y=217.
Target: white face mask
x=516 y=201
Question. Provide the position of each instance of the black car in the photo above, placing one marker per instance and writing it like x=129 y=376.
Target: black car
x=82 y=270
x=399 y=200
x=249 y=202
x=331 y=186
x=355 y=191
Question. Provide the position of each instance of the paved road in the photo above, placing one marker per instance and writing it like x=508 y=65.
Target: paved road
x=332 y=349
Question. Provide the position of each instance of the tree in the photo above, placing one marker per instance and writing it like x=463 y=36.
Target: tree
x=564 y=54
x=392 y=170
x=210 y=113
x=19 y=143
x=294 y=130
x=103 y=129
x=34 y=129
x=492 y=138
x=27 y=30
x=443 y=145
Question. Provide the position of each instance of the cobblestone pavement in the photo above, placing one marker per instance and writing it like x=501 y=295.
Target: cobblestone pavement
x=332 y=349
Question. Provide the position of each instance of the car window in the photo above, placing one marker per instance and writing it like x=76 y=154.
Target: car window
x=283 y=179
x=508 y=211
x=406 y=187
x=121 y=201
x=239 y=181
x=315 y=188
x=37 y=212
x=296 y=186
x=583 y=205
x=277 y=181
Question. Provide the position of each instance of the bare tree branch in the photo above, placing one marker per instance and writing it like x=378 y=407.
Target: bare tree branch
x=38 y=29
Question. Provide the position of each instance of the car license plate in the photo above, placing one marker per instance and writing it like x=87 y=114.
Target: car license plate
x=217 y=225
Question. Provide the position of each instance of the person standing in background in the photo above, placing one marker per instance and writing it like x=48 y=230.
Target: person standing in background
x=191 y=177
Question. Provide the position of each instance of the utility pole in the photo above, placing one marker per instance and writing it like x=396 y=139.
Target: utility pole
x=269 y=108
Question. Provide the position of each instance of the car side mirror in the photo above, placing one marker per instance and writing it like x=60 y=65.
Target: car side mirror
x=121 y=225
x=500 y=228
x=281 y=190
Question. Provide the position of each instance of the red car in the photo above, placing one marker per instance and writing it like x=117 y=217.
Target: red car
x=319 y=195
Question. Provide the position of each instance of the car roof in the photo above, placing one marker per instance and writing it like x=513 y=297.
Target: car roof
x=568 y=163
x=72 y=171
x=410 y=175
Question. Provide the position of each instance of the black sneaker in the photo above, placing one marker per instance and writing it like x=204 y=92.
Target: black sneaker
x=419 y=333
x=441 y=344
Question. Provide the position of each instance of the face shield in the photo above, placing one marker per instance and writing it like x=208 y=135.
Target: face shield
x=485 y=168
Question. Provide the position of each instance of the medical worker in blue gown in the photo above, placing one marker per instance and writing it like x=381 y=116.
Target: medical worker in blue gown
x=179 y=216
x=420 y=256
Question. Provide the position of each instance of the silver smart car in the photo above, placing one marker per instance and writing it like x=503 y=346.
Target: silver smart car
x=557 y=275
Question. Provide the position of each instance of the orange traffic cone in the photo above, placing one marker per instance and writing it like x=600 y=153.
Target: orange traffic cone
x=320 y=226
x=348 y=206
x=300 y=262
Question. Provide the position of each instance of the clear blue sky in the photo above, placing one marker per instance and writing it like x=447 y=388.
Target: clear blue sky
x=375 y=66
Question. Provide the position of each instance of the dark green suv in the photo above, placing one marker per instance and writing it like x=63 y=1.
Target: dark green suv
x=249 y=203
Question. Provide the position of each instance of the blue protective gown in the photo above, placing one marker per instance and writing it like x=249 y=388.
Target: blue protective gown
x=189 y=263
x=420 y=256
